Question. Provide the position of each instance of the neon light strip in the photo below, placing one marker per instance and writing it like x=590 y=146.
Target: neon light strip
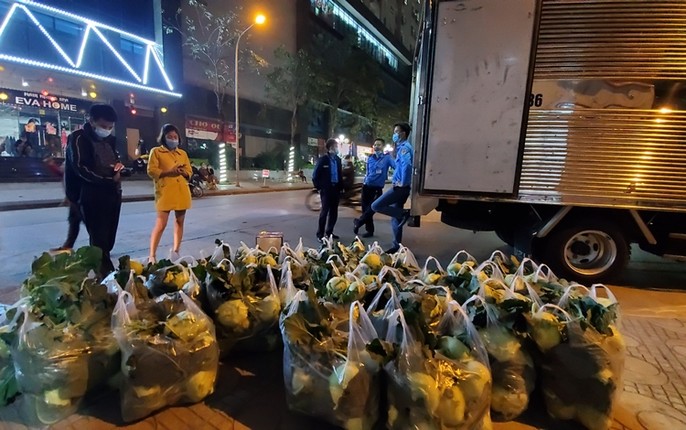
x=117 y=54
x=76 y=72
x=7 y=18
x=147 y=64
x=45 y=32
x=86 y=20
x=161 y=66
x=83 y=46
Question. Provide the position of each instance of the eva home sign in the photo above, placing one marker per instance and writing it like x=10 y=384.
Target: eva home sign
x=37 y=100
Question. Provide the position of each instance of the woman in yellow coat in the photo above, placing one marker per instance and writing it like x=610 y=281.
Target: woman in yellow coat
x=170 y=169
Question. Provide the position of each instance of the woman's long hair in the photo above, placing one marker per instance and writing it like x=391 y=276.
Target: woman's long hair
x=161 y=139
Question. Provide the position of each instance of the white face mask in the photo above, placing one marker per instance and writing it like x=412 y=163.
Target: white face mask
x=102 y=132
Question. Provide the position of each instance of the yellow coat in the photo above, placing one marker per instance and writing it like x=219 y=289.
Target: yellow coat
x=171 y=192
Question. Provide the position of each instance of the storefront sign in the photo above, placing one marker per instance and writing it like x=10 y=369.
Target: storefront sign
x=210 y=129
x=37 y=100
x=313 y=141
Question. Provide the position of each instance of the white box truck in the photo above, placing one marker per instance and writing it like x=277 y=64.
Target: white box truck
x=558 y=124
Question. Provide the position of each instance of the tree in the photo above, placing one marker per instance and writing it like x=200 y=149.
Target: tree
x=350 y=79
x=292 y=82
x=209 y=39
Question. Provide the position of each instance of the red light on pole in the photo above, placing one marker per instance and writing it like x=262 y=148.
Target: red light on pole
x=45 y=93
x=133 y=110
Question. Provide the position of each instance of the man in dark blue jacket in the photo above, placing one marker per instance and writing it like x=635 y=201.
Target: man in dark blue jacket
x=377 y=172
x=94 y=172
x=328 y=179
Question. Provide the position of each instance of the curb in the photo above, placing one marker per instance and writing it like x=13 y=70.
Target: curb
x=43 y=204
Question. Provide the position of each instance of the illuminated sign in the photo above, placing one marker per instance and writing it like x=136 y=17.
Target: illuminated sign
x=209 y=129
x=72 y=62
x=37 y=100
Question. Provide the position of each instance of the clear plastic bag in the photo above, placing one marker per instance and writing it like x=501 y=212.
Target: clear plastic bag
x=328 y=372
x=171 y=334
x=512 y=367
x=429 y=390
x=582 y=373
x=245 y=311
x=51 y=368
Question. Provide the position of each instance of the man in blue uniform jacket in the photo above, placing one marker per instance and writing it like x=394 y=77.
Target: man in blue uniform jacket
x=377 y=172
x=328 y=179
x=392 y=202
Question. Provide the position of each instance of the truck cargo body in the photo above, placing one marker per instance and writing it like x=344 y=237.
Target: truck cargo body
x=560 y=124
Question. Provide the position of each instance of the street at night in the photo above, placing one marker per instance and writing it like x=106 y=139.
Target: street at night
x=650 y=294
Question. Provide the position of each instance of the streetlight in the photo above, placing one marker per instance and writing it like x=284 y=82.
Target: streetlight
x=259 y=20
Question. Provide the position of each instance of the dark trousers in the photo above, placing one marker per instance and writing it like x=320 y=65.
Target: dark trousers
x=391 y=203
x=74 y=220
x=330 y=196
x=369 y=194
x=100 y=210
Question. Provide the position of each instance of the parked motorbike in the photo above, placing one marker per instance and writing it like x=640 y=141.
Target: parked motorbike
x=140 y=165
x=351 y=198
x=195 y=185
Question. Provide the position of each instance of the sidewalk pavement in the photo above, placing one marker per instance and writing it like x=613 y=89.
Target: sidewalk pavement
x=35 y=195
x=250 y=392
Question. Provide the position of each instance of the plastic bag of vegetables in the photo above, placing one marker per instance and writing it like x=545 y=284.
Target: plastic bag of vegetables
x=514 y=374
x=166 y=277
x=583 y=359
x=9 y=319
x=328 y=372
x=444 y=386
x=169 y=353
x=245 y=305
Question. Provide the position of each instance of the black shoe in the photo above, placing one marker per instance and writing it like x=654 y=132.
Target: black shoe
x=356 y=225
x=319 y=238
x=392 y=250
x=405 y=218
x=368 y=235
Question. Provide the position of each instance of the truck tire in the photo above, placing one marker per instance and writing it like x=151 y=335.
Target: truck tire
x=587 y=252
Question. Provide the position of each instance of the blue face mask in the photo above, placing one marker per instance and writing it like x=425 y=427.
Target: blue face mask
x=396 y=138
x=378 y=152
x=172 y=144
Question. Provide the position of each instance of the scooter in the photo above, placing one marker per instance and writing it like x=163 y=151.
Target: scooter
x=351 y=198
x=195 y=185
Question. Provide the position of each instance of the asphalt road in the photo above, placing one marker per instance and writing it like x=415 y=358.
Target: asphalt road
x=25 y=234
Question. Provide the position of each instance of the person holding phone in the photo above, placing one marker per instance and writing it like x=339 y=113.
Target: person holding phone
x=93 y=179
x=170 y=169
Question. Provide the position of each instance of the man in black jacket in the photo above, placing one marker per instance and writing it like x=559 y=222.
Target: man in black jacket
x=93 y=173
x=328 y=179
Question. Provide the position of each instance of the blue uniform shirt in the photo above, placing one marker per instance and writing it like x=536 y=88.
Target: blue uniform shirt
x=402 y=177
x=377 y=169
x=334 y=169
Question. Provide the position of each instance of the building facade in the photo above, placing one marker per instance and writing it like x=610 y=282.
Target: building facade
x=59 y=57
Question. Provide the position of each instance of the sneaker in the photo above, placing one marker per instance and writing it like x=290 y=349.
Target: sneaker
x=368 y=235
x=334 y=237
x=392 y=250
x=405 y=218
x=356 y=225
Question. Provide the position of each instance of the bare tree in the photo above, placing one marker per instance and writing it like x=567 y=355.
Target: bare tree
x=209 y=38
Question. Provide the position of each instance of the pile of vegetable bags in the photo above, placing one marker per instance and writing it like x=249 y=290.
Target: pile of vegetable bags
x=503 y=300
x=169 y=351
x=63 y=345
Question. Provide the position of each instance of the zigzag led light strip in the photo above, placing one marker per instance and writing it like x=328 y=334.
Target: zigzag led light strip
x=49 y=66
x=95 y=27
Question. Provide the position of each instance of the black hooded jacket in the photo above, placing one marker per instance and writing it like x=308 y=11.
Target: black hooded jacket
x=85 y=169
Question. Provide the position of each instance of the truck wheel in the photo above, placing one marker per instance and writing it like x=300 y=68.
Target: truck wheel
x=587 y=252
